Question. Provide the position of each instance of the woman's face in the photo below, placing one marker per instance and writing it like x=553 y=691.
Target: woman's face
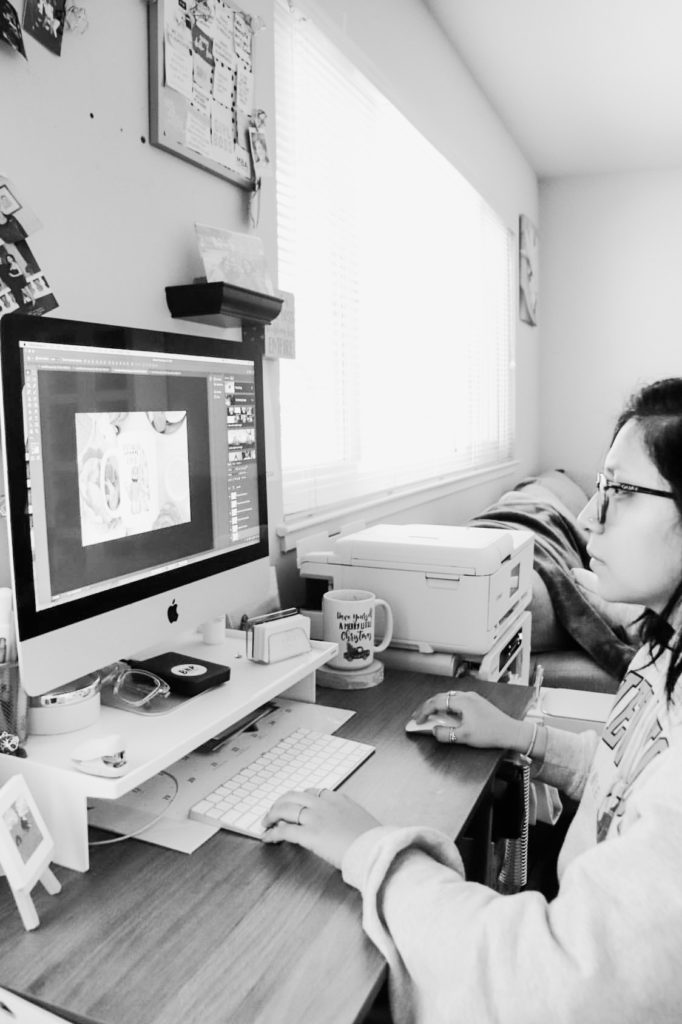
x=637 y=553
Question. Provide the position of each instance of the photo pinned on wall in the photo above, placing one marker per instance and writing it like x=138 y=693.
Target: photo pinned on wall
x=10 y=27
x=260 y=161
x=17 y=221
x=44 y=20
x=258 y=145
x=23 y=285
x=528 y=271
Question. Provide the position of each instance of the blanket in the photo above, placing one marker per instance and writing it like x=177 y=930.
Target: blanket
x=560 y=547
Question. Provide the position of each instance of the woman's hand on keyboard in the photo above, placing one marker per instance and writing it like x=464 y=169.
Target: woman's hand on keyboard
x=322 y=821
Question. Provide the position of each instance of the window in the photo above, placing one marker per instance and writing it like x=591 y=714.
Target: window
x=403 y=283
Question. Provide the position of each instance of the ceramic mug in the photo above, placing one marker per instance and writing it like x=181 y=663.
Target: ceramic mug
x=348 y=619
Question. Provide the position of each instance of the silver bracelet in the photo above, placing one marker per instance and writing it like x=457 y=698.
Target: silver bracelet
x=529 y=752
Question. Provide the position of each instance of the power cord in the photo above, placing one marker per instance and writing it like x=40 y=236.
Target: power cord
x=132 y=835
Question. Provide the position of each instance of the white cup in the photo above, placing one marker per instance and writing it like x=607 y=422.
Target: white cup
x=213 y=631
x=348 y=619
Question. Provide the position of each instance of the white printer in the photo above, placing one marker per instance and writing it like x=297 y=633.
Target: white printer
x=451 y=588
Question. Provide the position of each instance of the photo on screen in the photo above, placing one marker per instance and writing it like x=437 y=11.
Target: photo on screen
x=133 y=473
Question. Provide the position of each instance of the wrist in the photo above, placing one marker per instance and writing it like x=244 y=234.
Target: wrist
x=523 y=735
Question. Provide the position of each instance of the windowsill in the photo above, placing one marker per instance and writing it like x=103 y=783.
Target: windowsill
x=373 y=510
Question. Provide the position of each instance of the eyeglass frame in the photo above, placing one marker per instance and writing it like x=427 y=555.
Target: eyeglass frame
x=122 y=673
x=604 y=485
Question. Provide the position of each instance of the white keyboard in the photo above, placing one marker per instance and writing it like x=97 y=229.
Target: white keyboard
x=301 y=760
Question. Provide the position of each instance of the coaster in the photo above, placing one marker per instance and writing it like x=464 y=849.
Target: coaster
x=350 y=679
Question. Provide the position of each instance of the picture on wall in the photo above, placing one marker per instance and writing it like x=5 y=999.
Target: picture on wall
x=44 y=20
x=528 y=271
x=23 y=285
x=17 y=221
x=10 y=27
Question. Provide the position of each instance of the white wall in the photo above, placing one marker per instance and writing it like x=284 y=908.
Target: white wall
x=118 y=214
x=611 y=267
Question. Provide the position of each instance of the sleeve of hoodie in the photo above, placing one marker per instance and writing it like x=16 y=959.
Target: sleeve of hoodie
x=567 y=761
x=604 y=951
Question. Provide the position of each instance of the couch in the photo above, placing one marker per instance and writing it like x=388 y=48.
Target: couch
x=581 y=641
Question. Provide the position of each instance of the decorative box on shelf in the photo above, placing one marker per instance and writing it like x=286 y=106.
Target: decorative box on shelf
x=221 y=304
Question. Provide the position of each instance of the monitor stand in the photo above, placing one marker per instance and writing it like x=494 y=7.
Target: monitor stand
x=62 y=792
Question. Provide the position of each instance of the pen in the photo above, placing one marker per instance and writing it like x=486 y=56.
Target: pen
x=257 y=620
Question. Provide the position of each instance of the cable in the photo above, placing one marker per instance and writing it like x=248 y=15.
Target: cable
x=131 y=835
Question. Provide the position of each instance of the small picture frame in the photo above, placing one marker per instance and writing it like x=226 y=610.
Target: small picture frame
x=25 y=847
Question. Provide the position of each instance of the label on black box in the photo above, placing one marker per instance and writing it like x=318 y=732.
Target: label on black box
x=186 y=676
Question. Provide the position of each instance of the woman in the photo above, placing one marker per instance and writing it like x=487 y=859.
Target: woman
x=609 y=946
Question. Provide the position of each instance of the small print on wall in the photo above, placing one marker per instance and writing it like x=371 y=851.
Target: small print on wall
x=44 y=20
x=528 y=271
x=23 y=285
x=10 y=27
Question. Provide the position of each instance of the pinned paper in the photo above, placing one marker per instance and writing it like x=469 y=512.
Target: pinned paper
x=280 y=335
x=23 y=285
x=17 y=221
x=10 y=27
x=44 y=20
x=178 y=68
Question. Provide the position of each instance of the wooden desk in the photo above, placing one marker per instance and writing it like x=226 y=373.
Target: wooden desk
x=239 y=932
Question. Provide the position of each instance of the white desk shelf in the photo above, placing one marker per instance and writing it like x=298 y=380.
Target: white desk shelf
x=153 y=742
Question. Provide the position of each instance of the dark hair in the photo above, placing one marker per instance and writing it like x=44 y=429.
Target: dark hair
x=657 y=408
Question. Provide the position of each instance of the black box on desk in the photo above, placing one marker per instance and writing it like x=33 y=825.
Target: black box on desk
x=186 y=676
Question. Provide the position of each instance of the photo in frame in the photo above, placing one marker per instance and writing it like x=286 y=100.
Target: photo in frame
x=26 y=847
x=528 y=271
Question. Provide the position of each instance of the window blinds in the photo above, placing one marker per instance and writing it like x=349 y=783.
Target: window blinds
x=403 y=282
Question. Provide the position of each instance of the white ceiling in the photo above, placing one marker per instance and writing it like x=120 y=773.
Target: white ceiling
x=584 y=86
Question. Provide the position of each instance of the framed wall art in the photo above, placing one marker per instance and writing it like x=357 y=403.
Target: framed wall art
x=528 y=271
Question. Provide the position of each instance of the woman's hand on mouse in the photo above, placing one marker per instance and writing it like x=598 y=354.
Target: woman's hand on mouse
x=324 y=822
x=472 y=720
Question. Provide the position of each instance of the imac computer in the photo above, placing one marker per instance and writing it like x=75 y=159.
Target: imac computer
x=136 y=490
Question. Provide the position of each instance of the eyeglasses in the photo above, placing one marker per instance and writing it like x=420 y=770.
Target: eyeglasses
x=134 y=687
x=604 y=486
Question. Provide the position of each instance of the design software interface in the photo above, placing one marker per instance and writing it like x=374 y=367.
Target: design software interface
x=136 y=462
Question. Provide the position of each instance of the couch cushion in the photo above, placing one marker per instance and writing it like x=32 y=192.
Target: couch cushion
x=565 y=489
x=545 y=634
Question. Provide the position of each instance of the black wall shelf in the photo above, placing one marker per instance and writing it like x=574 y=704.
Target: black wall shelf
x=225 y=305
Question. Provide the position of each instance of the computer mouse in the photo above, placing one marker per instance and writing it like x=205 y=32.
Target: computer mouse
x=429 y=724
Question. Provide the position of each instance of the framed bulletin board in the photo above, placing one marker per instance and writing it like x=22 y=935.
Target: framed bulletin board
x=201 y=84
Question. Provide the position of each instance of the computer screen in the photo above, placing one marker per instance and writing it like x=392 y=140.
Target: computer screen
x=135 y=474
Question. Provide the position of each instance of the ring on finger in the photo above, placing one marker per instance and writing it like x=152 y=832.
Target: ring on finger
x=300 y=812
x=452 y=736
x=450 y=693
